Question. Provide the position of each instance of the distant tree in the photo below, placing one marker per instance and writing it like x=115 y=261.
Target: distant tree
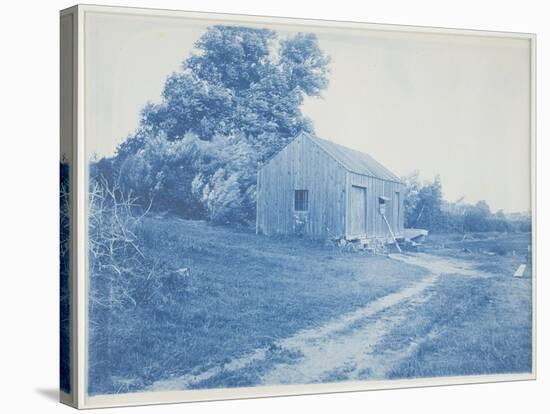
x=241 y=90
x=410 y=199
x=423 y=203
x=483 y=208
x=426 y=208
x=430 y=201
x=477 y=217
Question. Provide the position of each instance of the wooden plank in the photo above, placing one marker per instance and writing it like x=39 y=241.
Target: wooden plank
x=395 y=211
x=520 y=270
x=391 y=232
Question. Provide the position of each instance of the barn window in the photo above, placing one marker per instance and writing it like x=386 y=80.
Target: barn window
x=300 y=200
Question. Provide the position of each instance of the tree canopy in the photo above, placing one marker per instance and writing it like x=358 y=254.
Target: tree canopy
x=240 y=81
x=235 y=102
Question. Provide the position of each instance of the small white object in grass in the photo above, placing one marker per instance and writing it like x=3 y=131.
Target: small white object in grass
x=520 y=270
x=184 y=271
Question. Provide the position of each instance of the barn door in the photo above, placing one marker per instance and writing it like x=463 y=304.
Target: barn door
x=358 y=213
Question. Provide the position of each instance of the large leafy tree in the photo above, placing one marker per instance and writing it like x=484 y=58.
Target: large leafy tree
x=241 y=92
x=240 y=81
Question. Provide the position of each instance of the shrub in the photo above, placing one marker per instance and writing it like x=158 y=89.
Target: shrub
x=129 y=293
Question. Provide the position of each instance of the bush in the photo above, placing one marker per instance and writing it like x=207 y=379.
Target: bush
x=195 y=179
x=129 y=293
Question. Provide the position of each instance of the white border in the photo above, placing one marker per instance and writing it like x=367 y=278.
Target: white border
x=142 y=398
x=171 y=397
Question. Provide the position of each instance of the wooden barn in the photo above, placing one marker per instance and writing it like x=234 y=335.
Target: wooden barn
x=320 y=189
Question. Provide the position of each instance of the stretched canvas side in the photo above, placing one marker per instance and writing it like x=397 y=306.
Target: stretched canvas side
x=67 y=207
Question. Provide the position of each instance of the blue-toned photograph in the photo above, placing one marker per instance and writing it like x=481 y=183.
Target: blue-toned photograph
x=276 y=204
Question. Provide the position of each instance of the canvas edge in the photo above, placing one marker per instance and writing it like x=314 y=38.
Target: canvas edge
x=242 y=17
x=82 y=215
x=534 y=198
x=78 y=277
x=225 y=394
x=81 y=400
x=65 y=43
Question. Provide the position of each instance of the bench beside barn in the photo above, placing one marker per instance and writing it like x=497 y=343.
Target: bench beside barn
x=320 y=189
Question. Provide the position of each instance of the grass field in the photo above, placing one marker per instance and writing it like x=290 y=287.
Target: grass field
x=246 y=291
x=483 y=324
x=253 y=309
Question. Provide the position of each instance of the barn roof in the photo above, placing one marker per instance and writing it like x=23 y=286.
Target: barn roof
x=355 y=161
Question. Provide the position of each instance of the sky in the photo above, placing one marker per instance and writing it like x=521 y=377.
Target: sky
x=452 y=105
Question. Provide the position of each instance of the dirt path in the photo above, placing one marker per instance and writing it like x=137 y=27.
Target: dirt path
x=344 y=348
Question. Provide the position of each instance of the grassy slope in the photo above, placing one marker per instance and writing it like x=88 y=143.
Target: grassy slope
x=480 y=325
x=245 y=291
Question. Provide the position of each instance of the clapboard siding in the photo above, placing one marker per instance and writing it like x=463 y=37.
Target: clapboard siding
x=305 y=165
x=302 y=165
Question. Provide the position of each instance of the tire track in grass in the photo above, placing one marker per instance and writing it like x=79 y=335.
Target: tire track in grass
x=344 y=347
x=339 y=349
x=334 y=353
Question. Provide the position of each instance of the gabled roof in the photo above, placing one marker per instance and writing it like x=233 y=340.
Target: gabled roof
x=354 y=161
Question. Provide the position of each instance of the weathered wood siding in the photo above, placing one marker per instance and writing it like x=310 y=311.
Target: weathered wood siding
x=376 y=227
x=302 y=165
